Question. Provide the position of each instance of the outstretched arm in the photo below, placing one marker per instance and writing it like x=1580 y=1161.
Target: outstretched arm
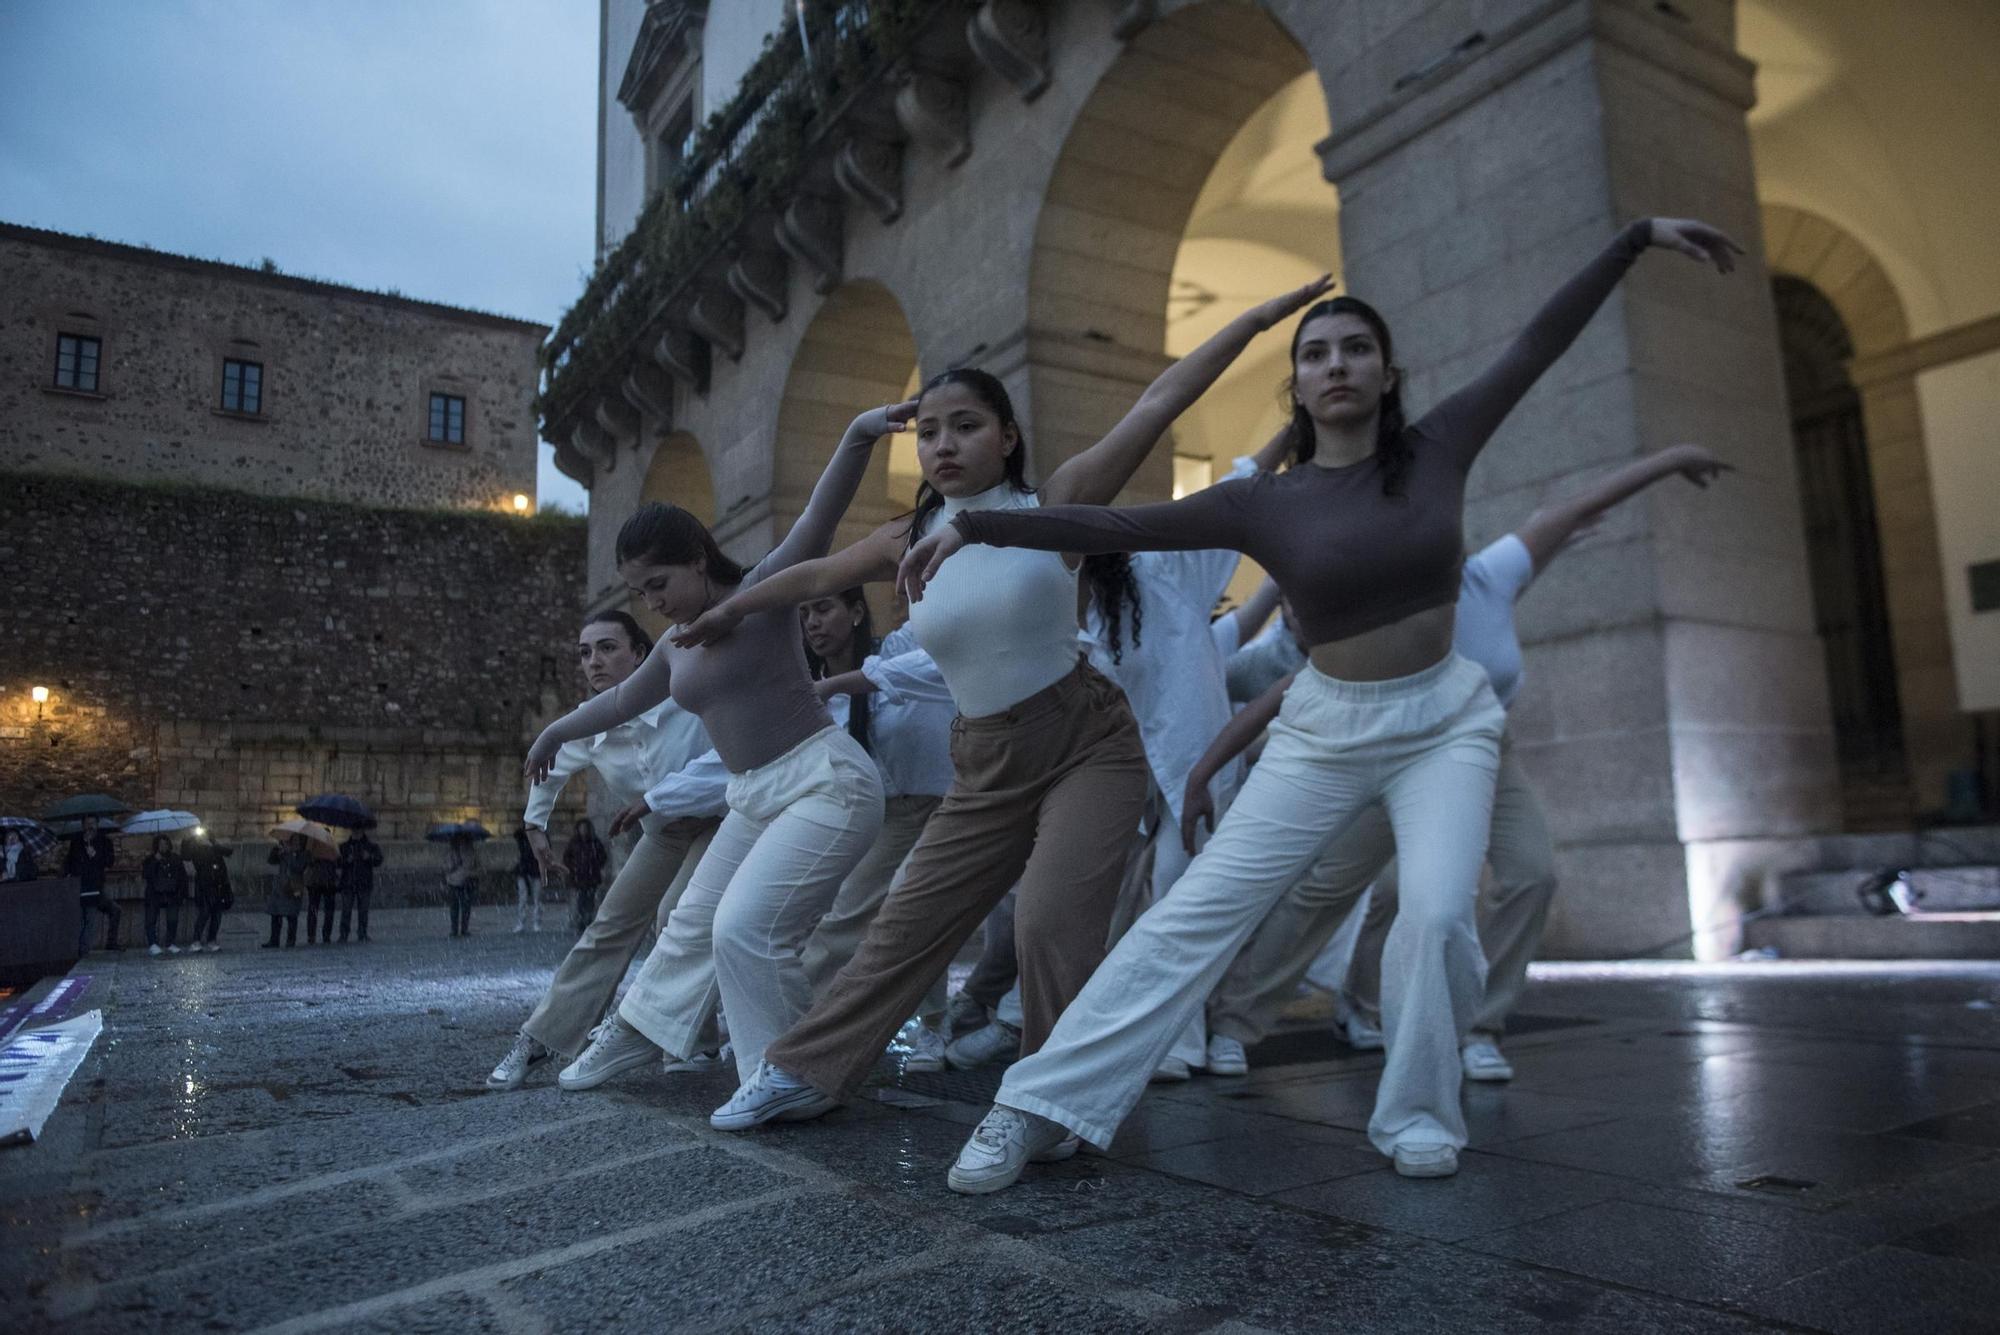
x=648 y=685
x=1470 y=416
x=812 y=533
x=1231 y=742
x=865 y=562
x=1549 y=527
x=1100 y=472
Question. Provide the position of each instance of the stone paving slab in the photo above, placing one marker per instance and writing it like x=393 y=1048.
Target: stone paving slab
x=299 y=1140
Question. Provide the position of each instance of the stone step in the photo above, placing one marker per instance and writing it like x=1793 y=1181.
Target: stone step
x=1901 y=938
x=1969 y=889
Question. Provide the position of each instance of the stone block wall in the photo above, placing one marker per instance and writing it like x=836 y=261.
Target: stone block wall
x=230 y=654
x=346 y=381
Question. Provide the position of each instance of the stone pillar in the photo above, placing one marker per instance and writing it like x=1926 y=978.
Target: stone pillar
x=1675 y=713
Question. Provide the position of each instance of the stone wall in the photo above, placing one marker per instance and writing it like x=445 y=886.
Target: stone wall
x=230 y=654
x=346 y=381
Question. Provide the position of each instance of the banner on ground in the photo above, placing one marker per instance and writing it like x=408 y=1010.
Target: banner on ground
x=35 y=1066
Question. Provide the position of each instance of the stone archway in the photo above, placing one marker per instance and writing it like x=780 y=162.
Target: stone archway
x=1115 y=217
x=1804 y=248
x=677 y=474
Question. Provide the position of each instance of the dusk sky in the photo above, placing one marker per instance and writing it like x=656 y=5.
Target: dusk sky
x=443 y=148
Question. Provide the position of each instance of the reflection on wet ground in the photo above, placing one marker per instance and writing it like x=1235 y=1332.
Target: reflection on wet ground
x=1680 y=1149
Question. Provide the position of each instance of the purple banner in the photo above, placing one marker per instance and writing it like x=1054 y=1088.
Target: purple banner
x=59 y=1002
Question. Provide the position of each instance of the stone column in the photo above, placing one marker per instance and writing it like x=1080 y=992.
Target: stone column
x=1675 y=718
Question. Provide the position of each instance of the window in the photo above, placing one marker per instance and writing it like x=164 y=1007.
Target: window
x=448 y=419
x=76 y=362
x=242 y=386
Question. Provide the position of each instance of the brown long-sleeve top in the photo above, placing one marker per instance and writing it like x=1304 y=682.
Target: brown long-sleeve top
x=1350 y=558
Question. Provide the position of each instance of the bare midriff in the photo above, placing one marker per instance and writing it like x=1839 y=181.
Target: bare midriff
x=1399 y=649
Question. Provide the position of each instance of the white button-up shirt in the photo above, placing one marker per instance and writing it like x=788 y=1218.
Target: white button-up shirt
x=909 y=718
x=628 y=759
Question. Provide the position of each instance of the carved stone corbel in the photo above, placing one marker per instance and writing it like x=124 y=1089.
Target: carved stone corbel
x=761 y=278
x=1133 y=16
x=1011 y=38
x=595 y=444
x=811 y=233
x=932 y=110
x=571 y=464
x=619 y=418
x=684 y=357
x=648 y=386
x=871 y=172
x=718 y=317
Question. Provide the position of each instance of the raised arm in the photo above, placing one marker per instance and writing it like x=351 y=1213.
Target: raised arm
x=1554 y=524
x=866 y=562
x=812 y=533
x=1469 y=417
x=1231 y=742
x=1097 y=474
x=648 y=685
x=1212 y=517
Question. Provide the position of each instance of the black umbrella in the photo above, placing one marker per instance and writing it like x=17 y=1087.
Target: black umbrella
x=471 y=829
x=89 y=804
x=338 y=810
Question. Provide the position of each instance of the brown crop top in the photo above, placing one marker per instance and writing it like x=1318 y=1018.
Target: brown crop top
x=1350 y=558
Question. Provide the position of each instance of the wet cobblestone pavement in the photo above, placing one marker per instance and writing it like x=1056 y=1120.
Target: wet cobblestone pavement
x=299 y=1140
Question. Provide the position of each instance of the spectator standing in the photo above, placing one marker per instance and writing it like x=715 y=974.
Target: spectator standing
x=584 y=859
x=90 y=856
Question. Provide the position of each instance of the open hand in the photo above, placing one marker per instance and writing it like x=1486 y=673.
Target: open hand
x=710 y=626
x=920 y=564
x=1196 y=806
x=886 y=420
x=1696 y=240
x=541 y=758
x=634 y=812
x=1268 y=313
x=538 y=844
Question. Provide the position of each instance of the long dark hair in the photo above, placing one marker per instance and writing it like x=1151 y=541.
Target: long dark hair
x=642 y=643
x=994 y=395
x=159 y=839
x=1111 y=588
x=667 y=535
x=859 y=714
x=1392 y=449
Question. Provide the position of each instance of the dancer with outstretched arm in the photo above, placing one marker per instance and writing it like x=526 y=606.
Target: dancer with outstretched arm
x=1365 y=535
x=805 y=801
x=1050 y=774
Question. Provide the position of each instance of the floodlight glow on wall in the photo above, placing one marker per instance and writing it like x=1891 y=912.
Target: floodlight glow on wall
x=520 y=503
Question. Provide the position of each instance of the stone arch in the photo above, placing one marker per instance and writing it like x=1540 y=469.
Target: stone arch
x=1115 y=215
x=1848 y=287
x=857 y=352
x=677 y=474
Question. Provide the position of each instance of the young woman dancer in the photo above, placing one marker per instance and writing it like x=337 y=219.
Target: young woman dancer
x=805 y=801
x=626 y=759
x=910 y=740
x=1050 y=775
x=1519 y=850
x=1365 y=537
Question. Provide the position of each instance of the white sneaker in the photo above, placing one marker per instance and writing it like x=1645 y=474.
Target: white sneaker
x=926 y=1047
x=154 y=950
x=1004 y=1143
x=976 y=1049
x=1363 y=1034
x=214 y=949
x=1171 y=1071
x=963 y=1015
x=1426 y=1161
x=770 y=1095
x=1226 y=1056
x=1482 y=1059
x=519 y=928
x=695 y=1065
x=513 y=1068
x=614 y=1047
x=173 y=950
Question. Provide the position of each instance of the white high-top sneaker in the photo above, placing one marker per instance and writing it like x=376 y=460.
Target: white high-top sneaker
x=615 y=1047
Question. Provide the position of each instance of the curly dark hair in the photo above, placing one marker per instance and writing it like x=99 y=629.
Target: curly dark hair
x=1112 y=587
x=994 y=395
x=1392 y=445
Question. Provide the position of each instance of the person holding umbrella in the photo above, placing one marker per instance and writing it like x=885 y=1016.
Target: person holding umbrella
x=166 y=881
x=90 y=856
x=287 y=894
x=359 y=857
x=527 y=883
x=461 y=876
x=212 y=897
x=20 y=859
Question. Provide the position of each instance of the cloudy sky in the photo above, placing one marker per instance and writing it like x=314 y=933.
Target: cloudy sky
x=440 y=147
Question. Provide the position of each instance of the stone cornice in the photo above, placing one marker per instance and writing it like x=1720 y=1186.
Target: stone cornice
x=669 y=36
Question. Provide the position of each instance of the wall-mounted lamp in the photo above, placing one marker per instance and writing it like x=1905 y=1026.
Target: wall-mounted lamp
x=520 y=503
x=40 y=695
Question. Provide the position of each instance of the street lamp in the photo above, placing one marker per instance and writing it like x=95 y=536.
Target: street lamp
x=41 y=698
x=520 y=503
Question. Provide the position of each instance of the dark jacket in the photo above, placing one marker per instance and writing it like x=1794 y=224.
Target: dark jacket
x=322 y=875
x=24 y=865
x=288 y=883
x=585 y=859
x=525 y=862
x=89 y=865
x=165 y=876
x=359 y=857
x=211 y=869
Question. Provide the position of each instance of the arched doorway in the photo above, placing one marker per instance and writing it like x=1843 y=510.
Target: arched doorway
x=1843 y=552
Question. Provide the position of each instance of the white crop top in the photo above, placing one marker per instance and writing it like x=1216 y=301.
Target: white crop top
x=1000 y=622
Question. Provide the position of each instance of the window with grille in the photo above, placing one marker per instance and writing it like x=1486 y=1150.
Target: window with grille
x=447 y=425
x=242 y=386
x=76 y=362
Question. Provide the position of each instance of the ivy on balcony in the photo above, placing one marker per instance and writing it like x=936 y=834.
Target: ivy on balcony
x=747 y=158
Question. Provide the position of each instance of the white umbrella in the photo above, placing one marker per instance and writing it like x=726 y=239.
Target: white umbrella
x=160 y=822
